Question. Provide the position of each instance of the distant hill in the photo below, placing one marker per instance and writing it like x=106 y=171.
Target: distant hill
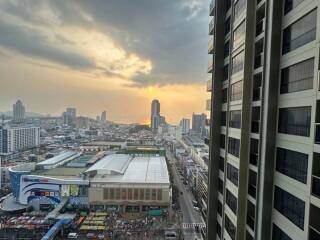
x=28 y=114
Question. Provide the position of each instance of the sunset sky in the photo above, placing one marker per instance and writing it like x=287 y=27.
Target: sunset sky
x=113 y=55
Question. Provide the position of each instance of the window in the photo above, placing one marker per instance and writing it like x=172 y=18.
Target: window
x=234 y=146
x=300 y=33
x=239 y=8
x=141 y=194
x=220 y=186
x=231 y=200
x=112 y=193
x=278 y=234
x=224 y=95
x=238 y=63
x=147 y=197
x=153 y=194
x=225 y=72
x=236 y=91
x=289 y=206
x=231 y=229
x=219 y=208
x=223 y=118
x=295 y=121
x=222 y=141
x=117 y=193
x=159 y=194
x=124 y=194
x=235 y=119
x=290 y=4
x=227 y=27
x=105 y=193
x=293 y=164
x=129 y=194
x=136 y=194
x=221 y=164
x=226 y=49
x=219 y=230
x=232 y=174
x=297 y=77
x=228 y=5
x=239 y=35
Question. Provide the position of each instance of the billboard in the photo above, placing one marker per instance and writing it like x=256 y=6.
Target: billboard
x=65 y=190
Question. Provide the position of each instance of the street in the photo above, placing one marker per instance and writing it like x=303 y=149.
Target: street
x=189 y=214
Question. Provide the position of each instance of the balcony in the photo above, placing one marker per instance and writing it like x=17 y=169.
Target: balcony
x=212 y=6
x=252 y=190
x=316 y=186
x=211 y=26
x=256 y=94
x=258 y=61
x=209 y=85
x=255 y=126
x=210 y=66
x=253 y=159
x=208 y=105
x=210 y=45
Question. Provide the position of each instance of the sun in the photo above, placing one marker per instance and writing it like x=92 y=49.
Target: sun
x=150 y=89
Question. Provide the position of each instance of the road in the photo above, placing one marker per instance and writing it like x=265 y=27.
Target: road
x=189 y=214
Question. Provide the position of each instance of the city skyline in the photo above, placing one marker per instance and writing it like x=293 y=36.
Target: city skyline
x=95 y=61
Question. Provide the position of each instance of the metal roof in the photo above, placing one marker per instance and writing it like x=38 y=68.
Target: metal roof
x=62 y=156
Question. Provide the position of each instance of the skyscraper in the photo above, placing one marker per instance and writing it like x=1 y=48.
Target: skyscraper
x=18 y=112
x=198 y=122
x=70 y=116
x=155 y=115
x=264 y=172
x=185 y=125
x=104 y=116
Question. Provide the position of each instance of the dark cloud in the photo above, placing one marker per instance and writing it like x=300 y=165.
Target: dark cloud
x=172 y=34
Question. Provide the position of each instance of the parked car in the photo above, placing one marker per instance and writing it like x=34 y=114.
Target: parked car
x=73 y=235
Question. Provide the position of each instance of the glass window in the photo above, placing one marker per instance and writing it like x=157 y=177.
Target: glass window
x=239 y=8
x=220 y=186
x=225 y=72
x=153 y=194
x=118 y=193
x=224 y=95
x=228 y=5
x=223 y=118
x=218 y=229
x=136 y=194
x=222 y=141
x=239 y=35
x=221 y=164
x=234 y=146
x=219 y=208
x=231 y=229
x=231 y=200
x=159 y=195
x=235 y=119
x=238 y=63
x=295 y=121
x=278 y=234
x=232 y=174
x=290 y=4
x=124 y=194
x=141 y=194
x=112 y=193
x=289 y=206
x=227 y=27
x=236 y=91
x=293 y=164
x=300 y=33
x=297 y=77
x=129 y=194
x=105 y=193
x=147 y=197
x=226 y=49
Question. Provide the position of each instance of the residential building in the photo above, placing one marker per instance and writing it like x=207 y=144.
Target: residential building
x=18 y=112
x=155 y=115
x=199 y=122
x=264 y=171
x=185 y=124
x=15 y=138
x=104 y=116
x=70 y=117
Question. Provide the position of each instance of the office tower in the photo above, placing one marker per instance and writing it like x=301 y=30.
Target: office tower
x=72 y=112
x=155 y=115
x=18 y=112
x=70 y=117
x=15 y=138
x=104 y=116
x=198 y=122
x=264 y=173
x=185 y=124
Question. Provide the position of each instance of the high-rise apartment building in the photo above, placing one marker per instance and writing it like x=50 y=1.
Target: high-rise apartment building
x=185 y=125
x=155 y=115
x=199 y=122
x=18 y=112
x=70 y=116
x=15 y=138
x=104 y=116
x=264 y=172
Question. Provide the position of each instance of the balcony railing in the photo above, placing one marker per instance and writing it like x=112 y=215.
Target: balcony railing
x=255 y=126
x=209 y=85
x=254 y=159
x=316 y=186
x=256 y=94
x=212 y=6
x=260 y=27
x=210 y=45
x=250 y=222
x=210 y=66
x=211 y=26
x=314 y=234
x=252 y=190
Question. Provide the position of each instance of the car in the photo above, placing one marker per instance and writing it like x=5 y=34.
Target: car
x=196 y=208
x=73 y=235
x=91 y=236
x=101 y=236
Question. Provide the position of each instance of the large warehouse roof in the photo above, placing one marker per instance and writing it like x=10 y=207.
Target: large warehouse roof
x=140 y=169
x=59 y=158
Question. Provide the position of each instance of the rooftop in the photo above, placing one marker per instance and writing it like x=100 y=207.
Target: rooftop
x=62 y=156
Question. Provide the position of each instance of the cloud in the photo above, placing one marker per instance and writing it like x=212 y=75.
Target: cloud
x=145 y=42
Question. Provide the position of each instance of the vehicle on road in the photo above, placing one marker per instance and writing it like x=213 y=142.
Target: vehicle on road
x=73 y=235
x=196 y=208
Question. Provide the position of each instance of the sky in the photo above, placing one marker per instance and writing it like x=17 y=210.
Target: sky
x=113 y=55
